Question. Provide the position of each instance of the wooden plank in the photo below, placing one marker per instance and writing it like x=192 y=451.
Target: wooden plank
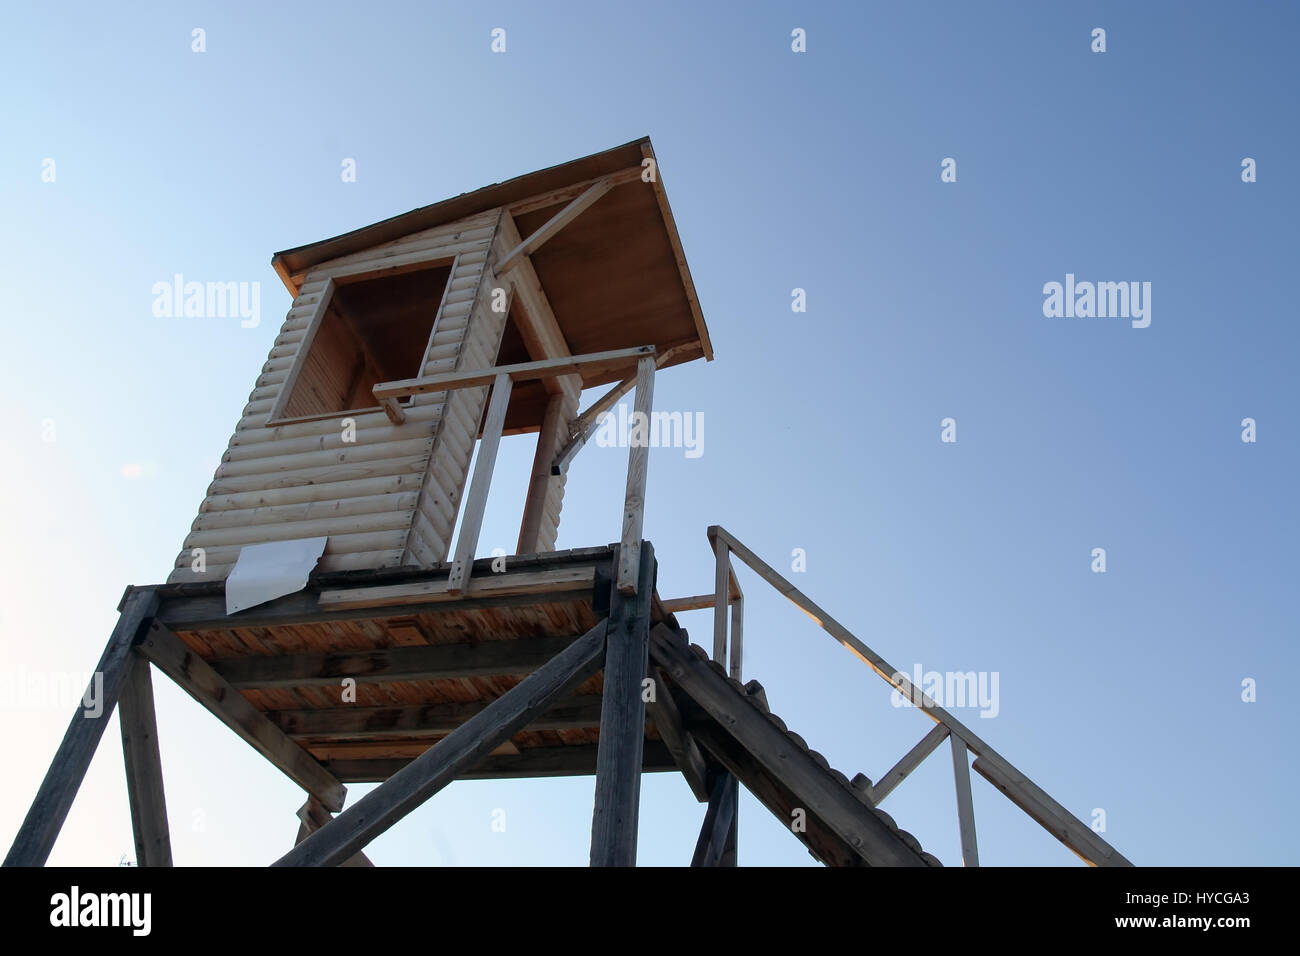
x=389 y=664
x=911 y=760
x=622 y=720
x=537 y=530
x=419 y=720
x=476 y=501
x=378 y=810
x=638 y=462
x=668 y=721
x=35 y=839
x=721 y=572
x=554 y=225
x=198 y=679
x=518 y=372
x=568 y=193
x=317 y=314
x=737 y=637
x=814 y=789
x=697 y=602
x=712 y=842
x=530 y=582
x=1078 y=837
x=965 y=804
x=566 y=760
x=144 y=781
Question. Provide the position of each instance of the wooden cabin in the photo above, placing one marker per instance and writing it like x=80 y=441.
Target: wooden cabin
x=343 y=435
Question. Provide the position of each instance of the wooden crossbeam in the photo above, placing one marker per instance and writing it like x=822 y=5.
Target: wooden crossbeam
x=419 y=720
x=378 y=810
x=44 y=820
x=202 y=682
x=422 y=592
x=569 y=193
x=388 y=664
x=518 y=372
x=553 y=225
x=910 y=761
x=622 y=719
x=144 y=780
x=566 y=760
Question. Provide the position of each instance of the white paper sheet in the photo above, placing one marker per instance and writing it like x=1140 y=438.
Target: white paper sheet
x=265 y=572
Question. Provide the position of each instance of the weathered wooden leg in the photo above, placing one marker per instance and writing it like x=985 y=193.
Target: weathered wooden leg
x=54 y=798
x=622 y=721
x=719 y=823
x=312 y=816
x=144 y=782
x=460 y=750
x=729 y=848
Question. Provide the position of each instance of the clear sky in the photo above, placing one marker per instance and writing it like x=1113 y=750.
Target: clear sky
x=1120 y=691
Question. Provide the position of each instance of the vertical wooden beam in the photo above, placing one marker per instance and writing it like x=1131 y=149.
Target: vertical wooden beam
x=719 y=822
x=638 y=460
x=537 y=530
x=721 y=585
x=476 y=502
x=144 y=782
x=737 y=634
x=35 y=839
x=622 y=720
x=965 y=804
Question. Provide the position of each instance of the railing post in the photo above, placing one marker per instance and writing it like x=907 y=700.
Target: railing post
x=737 y=630
x=476 y=501
x=638 y=461
x=965 y=805
x=721 y=591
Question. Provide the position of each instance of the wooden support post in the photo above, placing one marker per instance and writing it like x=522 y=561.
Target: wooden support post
x=201 y=681
x=719 y=822
x=312 y=816
x=721 y=578
x=965 y=805
x=638 y=460
x=144 y=782
x=459 y=751
x=476 y=502
x=537 y=529
x=737 y=634
x=622 y=720
x=35 y=839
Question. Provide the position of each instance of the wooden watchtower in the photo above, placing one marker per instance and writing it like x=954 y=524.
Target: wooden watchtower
x=324 y=557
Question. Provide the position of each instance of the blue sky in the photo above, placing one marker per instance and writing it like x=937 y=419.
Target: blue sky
x=818 y=170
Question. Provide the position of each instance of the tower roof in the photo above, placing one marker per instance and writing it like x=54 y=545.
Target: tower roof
x=615 y=276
